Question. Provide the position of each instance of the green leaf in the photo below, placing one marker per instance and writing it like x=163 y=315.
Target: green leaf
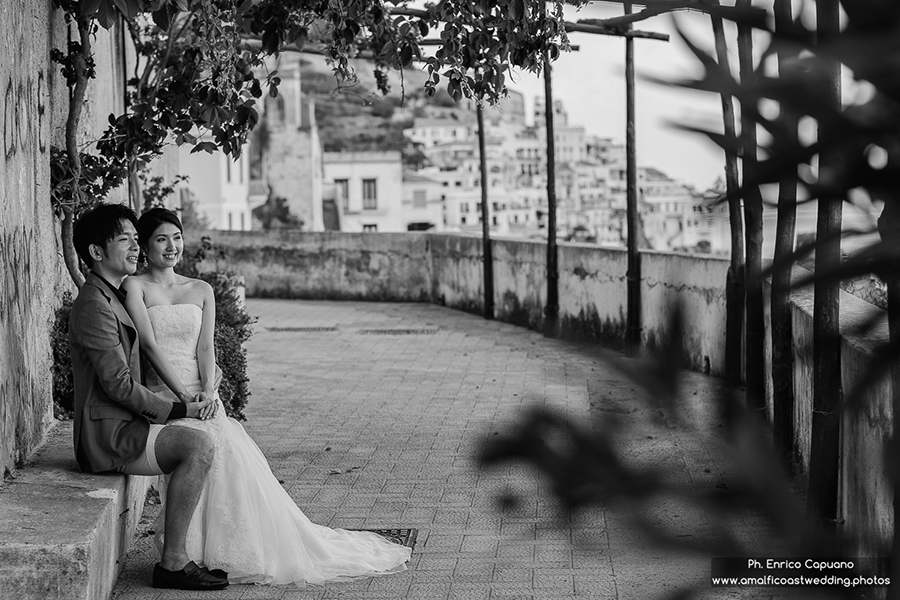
x=106 y=14
x=89 y=7
x=406 y=55
x=129 y=8
x=161 y=18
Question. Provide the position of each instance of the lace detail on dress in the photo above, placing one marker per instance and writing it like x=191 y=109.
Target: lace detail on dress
x=177 y=331
x=245 y=522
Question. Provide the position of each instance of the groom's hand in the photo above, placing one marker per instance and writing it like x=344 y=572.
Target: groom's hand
x=198 y=410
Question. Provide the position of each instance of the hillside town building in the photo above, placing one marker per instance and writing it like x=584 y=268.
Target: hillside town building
x=373 y=191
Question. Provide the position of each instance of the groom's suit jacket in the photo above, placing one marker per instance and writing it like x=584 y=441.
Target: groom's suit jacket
x=113 y=411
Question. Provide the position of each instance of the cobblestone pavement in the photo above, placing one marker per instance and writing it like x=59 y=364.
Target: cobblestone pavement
x=372 y=415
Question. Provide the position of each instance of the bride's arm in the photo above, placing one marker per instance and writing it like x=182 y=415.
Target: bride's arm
x=137 y=310
x=206 y=350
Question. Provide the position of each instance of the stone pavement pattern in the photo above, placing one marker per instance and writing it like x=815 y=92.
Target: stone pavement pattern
x=377 y=430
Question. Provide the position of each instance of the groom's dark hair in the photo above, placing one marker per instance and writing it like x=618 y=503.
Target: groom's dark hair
x=98 y=226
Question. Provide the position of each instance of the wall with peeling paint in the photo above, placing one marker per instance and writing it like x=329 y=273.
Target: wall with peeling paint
x=33 y=277
x=448 y=270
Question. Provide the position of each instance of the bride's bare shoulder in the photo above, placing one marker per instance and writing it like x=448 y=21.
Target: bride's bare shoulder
x=197 y=286
x=134 y=282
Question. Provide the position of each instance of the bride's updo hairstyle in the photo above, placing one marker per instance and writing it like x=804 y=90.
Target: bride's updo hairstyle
x=151 y=220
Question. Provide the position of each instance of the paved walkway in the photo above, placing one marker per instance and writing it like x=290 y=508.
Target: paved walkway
x=372 y=413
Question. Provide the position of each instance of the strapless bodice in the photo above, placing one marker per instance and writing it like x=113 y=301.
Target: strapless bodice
x=177 y=330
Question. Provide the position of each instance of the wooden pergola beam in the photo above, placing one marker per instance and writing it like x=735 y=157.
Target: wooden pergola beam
x=599 y=27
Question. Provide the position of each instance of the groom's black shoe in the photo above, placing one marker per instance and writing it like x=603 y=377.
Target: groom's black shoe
x=216 y=573
x=191 y=577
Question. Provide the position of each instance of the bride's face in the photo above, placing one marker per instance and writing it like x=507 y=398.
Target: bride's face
x=165 y=246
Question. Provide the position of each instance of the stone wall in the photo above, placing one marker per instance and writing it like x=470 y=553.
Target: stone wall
x=33 y=278
x=448 y=270
x=292 y=264
x=30 y=272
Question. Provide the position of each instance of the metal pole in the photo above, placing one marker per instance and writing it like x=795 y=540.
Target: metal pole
x=551 y=311
x=485 y=223
x=633 y=276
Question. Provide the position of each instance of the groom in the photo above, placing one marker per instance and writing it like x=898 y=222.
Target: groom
x=119 y=423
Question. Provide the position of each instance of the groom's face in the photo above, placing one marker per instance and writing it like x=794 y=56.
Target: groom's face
x=118 y=257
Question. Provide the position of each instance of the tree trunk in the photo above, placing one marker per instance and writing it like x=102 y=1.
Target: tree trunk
x=135 y=189
x=782 y=325
x=755 y=338
x=734 y=283
x=73 y=152
x=824 y=459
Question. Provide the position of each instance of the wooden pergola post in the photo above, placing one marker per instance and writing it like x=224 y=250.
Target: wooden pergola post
x=487 y=253
x=551 y=310
x=632 y=217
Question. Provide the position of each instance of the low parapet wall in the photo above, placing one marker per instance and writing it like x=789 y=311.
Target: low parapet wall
x=448 y=270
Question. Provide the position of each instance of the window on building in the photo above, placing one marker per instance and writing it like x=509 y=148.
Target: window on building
x=462 y=220
x=230 y=226
x=342 y=189
x=370 y=194
x=371 y=227
x=227 y=170
x=242 y=222
x=419 y=199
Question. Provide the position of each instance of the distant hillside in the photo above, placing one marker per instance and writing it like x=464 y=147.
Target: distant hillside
x=359 y=117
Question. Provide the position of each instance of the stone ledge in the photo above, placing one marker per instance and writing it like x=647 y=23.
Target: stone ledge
x=62 y=532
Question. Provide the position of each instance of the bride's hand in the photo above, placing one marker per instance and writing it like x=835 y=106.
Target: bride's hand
x=201 y=409
x=210 y=411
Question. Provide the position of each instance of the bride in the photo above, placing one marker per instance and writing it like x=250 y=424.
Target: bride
x=245 y=524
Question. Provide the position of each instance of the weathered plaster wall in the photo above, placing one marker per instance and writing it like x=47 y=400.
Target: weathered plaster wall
x=291 y=264
x=448 y=270
x=28 y=267
x=866 y=496
x=695 y=285
x=32 y=277
x=592 y=292
x=456 y=266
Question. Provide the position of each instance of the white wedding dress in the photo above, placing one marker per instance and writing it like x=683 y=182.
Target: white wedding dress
x=245 y=522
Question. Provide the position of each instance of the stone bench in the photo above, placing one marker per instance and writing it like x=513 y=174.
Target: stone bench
x=63 y=532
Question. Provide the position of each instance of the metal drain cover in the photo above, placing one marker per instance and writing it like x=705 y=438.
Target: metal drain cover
x=398 y=331
x=302 y=329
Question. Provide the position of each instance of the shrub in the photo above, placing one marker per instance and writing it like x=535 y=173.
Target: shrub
x=63 y=387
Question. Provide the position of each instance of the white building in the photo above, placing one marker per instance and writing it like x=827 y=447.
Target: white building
x=369 y=188
x=428 y=132
x=423 y=205
x=220 y=186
